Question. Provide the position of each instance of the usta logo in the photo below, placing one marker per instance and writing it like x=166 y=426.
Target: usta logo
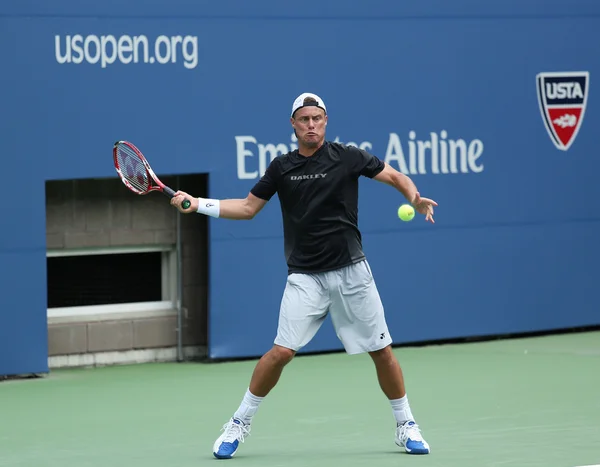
x=564 y=91
x=562 y=98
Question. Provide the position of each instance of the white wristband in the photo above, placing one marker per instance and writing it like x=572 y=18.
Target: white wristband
x=209 y=207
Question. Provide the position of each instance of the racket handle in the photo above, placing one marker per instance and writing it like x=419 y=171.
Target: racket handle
x=186 y=202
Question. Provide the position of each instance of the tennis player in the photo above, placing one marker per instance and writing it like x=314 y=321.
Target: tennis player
x=328 y=273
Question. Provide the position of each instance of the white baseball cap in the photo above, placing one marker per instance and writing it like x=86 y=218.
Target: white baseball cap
x=299 y=102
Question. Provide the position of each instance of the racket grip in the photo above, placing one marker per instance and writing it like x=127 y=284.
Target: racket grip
x=186 y=202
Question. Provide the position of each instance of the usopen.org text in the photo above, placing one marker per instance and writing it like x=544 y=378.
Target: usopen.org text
x=106 y=50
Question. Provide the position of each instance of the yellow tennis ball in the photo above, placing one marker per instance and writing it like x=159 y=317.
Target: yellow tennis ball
x=406 y=212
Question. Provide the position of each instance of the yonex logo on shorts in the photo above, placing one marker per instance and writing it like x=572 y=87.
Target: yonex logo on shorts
x=307 y=177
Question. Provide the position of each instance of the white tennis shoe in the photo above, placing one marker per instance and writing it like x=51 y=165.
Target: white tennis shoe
x=234 y=433
x=408 y=436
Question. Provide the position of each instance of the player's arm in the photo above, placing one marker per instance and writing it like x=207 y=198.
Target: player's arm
x=241 y=209
x=398 y=180
x=370 y=166
x=236 y=209
x=406 y=186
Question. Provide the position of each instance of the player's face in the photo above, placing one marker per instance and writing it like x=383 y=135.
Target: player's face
x=309 y=123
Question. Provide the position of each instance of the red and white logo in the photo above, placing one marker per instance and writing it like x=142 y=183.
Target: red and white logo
x=563 y=98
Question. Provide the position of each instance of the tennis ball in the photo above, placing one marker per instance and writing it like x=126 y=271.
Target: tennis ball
x=406 y=212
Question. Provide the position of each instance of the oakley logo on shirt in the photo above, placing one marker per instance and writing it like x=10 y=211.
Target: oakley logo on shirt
x=307 y=177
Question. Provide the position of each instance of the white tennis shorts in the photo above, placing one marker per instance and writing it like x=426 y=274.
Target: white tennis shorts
x=348 y=294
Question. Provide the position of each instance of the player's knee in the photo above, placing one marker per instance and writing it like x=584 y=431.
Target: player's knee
x=283 y=355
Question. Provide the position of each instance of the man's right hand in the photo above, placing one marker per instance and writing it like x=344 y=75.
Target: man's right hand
x=179 y=197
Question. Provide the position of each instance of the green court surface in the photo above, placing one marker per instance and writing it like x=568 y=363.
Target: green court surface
x=522 y=402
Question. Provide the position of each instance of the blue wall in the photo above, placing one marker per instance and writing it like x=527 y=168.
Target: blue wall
x=514 y=245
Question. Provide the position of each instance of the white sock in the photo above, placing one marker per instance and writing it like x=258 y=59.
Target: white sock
x=401 y=410
x=248 y=407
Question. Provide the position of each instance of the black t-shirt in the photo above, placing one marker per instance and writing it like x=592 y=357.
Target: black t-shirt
x=319 y=204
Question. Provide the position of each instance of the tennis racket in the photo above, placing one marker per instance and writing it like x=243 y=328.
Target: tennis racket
x=136 y=173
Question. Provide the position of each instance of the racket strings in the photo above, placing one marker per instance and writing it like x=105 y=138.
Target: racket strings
x=132 y=169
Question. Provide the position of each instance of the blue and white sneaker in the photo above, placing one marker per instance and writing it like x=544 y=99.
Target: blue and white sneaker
x=408 y=436
x=234 y=432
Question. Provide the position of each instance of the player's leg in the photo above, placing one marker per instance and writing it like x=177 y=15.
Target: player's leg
x=359 y=319
x=391 y=381
x=304 y=307
x=268 y=370
x=389 y=373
